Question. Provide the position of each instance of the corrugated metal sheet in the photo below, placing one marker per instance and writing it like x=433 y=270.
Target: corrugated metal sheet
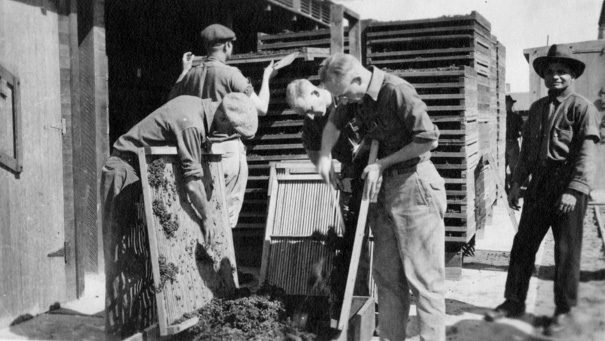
x=302 y=210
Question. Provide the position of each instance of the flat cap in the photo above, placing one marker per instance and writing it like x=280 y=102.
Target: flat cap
x=217 y=34
x=241 y=113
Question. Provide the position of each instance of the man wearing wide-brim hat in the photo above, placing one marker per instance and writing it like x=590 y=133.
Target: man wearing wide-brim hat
x=558 y=153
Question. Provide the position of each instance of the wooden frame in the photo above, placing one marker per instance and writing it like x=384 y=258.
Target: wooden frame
x=285 y=173
x=13 y=162
x=170 y=304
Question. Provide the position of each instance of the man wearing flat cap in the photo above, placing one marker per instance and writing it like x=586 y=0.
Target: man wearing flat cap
x=514 y=125
x=184 y=122
x=558 y=153
x=214 y=79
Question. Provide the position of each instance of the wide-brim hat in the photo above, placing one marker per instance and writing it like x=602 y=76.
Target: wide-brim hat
x=241 y=113
x=557 y=55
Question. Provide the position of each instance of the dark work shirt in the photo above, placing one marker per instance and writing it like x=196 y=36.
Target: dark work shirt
x=349 y=137
x=392 y=113
x=555 y=132
x=180 y=123
x=220 y=80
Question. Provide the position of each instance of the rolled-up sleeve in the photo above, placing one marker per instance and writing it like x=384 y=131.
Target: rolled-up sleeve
x=584 y=167
x=413 y=111
x=239 y=83
x=189 y=145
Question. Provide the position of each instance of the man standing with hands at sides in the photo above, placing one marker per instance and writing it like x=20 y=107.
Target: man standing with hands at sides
x=558 y=153
x=407 y=222
x=214 y=79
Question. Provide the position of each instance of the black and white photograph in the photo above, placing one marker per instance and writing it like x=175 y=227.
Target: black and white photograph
x=302 y=170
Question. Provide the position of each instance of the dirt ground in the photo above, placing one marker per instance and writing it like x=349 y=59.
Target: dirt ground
x=479 y=289
x=482 y=286
x=589 y=317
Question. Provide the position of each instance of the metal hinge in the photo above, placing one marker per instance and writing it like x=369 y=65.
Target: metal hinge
x=62 y=128
x=62 y=252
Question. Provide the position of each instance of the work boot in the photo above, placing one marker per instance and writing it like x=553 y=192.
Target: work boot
x=507 y=309
x=560 y=325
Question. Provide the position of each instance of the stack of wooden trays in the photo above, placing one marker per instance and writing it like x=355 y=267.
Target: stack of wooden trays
x=278 y=139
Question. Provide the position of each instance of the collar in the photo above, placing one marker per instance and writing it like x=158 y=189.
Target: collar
x=561 y=96
x=214 y=59
x=375 y=83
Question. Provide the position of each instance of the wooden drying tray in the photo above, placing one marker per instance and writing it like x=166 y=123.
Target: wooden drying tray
x=304 y=53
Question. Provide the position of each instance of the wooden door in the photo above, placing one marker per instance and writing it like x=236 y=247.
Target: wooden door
x=32 y=232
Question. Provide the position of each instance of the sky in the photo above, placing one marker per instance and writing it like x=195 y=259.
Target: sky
x=518 y=24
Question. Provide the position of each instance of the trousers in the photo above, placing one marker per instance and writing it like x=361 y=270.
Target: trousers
x=409 y=252
x=540 y=213
x=235 y=168
x=129 y=297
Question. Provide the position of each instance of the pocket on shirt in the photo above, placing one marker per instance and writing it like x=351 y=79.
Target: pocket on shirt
x=561 y=141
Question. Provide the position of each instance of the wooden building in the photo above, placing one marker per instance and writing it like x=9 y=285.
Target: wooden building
x=75 y=75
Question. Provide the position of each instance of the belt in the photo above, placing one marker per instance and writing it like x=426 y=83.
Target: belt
x=128 y=157
x=403 y=167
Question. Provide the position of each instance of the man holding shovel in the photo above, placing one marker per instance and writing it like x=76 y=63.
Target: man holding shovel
x=407 y=221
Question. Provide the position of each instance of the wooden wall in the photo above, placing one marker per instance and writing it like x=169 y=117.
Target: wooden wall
x=588 y=85
x=31 y=204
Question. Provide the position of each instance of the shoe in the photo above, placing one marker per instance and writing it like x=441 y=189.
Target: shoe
x=559 y=324
x=507 y=309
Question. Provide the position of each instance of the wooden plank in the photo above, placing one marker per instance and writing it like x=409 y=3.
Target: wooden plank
x=274 y=147
x=336 y=28
x=423 y=59
x=355 y=43
x=357 y=244
x=263 y=37
x=179 y=327
x=419 y=31
x=252 y=158
x=420 y=38
x=598 y=211
x=187 y=271
x=270 y=221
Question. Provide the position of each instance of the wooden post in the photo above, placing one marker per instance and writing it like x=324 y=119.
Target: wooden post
x=337 y=32
x=355 y=48
x=77 y=135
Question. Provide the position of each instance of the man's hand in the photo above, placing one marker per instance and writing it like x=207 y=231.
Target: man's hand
x=210 y=233
x=269 y=72
x=187 y=61
x=373 y=176
x=325 y=169
x=513 y=196
x=566 y=203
